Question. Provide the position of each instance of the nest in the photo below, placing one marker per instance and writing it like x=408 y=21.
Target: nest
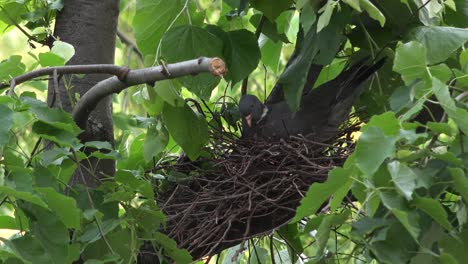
x=250 y=188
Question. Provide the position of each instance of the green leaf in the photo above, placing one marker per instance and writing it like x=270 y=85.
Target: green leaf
x=28 y=248
x=63 y=49
x=441 y=72
x=51 y=234
x=434 y=209
x=168 y=90
x=410 y=61
x=7 y=222
x=149 y=28
x=460 y=182
x=241 y=52
x=318 y=193
x=354 y=4
x=63 y=206
x=454 y=246
x=130 y=180
x=26 y=196
x=93 y=233
x=187 y=128
x=386 y=122
x=373 y=11
x=459 y=115
x=12 y=11
x=271 y=53
x=372 y=149
x=269 y=10
x=403 y=178
x=440 y=42
x=323 y=231
x=11 y=67
x=6 y=119
x=155 y=141
x=192 y=42
x=170 y=248
x=49 y=132
x=50 y=59
x=57 y=118
x=294 y=77
x=324 y=18
x=408 y=218
x=290 y=234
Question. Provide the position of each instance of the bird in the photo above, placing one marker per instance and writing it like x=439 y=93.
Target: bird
x=321 y=111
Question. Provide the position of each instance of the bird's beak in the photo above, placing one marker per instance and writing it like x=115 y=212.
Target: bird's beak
x=248 y=119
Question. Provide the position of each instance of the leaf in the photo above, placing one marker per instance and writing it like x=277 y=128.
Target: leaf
x=318 y=193
x=403 y=177
x=131 y=181
x=373 y=11
x=168 y=90
x=324 y=18
x=408 y=218
x=410 y=61
x=63 y=49
x=57 y=118
x=149 y=28
x=93 y=233
x=459 y=115
x=155 y=141
x=271 y=53
x=290 y=234
x=441 y=72
x=354 y=4
x=434 y=209
x=372 y=149
x=269 y=10
x=294 y=77
x=242 y=54
x=440 y=42
x=52 y=234
x=63 y=206
x=386 y=122
x=454 y=246
x=11 y=67
x=192 y=42
x=323 y=231
x=188 y=129
x=26 y=196
x=6 y=119
x=170 y=248
x=59 y=136
x=7 y=222
x=460 y=182
x=50 y=59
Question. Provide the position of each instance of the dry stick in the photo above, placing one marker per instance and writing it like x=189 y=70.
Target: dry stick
x=125 y=39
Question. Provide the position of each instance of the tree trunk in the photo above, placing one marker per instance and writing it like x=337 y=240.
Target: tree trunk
x=90 y=26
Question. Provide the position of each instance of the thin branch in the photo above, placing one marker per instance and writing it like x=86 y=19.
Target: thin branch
x=70 y=69
x=126 y=40
x=140 y=76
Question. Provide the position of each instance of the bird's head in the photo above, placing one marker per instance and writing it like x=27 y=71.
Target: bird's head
x=251 y=109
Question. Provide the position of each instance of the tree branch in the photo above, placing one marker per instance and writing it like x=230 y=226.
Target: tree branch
x=131 y=45
x=147 y=75
x=70 y=69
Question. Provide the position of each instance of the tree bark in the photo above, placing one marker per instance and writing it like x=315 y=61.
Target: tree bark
x=90 y=26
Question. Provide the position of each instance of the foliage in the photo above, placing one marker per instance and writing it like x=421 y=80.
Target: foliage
x=408 y=174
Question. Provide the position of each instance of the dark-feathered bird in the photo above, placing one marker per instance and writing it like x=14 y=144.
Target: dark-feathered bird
x=320 y=113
